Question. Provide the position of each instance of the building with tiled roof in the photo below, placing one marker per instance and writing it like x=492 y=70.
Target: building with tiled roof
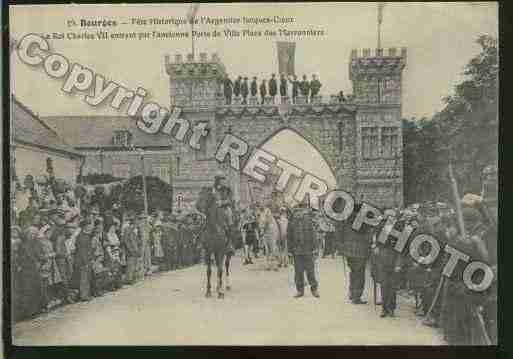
x=33 y=143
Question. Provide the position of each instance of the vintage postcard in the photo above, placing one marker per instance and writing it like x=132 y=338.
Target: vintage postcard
x=253 y=174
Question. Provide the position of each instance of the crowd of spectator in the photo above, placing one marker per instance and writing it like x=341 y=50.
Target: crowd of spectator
x=62 y=254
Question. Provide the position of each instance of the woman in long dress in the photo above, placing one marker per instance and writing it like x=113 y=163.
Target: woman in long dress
x=30 y=287
x=158 y=250
x=112 y=256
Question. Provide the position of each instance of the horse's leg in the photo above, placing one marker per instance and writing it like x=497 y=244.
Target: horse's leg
x=227 y=270
x=219 y=256
x=208 y=262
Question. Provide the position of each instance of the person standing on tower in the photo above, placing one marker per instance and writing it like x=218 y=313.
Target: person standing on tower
x=237 y=86
x=305 y=88
x=315 y=85
x=273 y=87
x=228 y=86
x=295 y=88
x=283 y=85
x=254 y=87
x=263 y=90
x=245 y=91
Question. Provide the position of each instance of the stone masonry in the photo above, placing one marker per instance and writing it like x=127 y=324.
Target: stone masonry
x=360 y=139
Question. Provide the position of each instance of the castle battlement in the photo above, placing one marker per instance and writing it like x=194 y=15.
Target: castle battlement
x=180 y=66
x=391 y=52
x=381 y=62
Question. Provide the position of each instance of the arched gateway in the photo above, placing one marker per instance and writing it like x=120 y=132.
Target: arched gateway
x=354 y=145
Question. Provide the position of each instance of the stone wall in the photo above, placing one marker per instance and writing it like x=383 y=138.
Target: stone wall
x=334 y=129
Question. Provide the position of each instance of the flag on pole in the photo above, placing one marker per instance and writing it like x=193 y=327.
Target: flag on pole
x=191 y=13
x=381 y=5
x=286 y=53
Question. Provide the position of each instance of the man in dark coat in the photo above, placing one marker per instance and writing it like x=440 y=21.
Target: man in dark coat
x=273 y=87
x=283 y=85
x=83 y=259
x=263 y=91
x=254 y=87
x=133 y=247
x=169 y=238
x=303 y=244
x=245 y=91
x=227 y=87
x=315 y=86
x=295 y=88
x=304 y=86
x=389 y=263
x=355 y=247
x=237 y=86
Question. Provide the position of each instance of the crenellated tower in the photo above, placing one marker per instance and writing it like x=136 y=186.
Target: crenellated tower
x=195 y=84
x=377 y=89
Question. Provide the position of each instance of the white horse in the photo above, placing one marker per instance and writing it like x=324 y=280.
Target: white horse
x=271 y=233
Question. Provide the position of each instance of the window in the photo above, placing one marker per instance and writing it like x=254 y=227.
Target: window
x=121 y=170
x=370 y=142
x=122 y=138
x=389 y=141
x=388 y=117
x=178 y=164
x=204 y=142
x=161 y=172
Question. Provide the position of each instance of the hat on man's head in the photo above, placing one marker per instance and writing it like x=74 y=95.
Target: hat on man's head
x=130 y=215
x=85 y=222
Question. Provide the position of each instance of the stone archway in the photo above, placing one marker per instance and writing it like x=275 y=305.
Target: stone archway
x=290 y=145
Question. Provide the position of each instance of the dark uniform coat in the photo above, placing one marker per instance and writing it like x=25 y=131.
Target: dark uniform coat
x=301 y=235
x=244 y=90
x=353 y=243
x=295 y=87
x=263 y=90
x=283 y=86
x=273 y=87
x=304 y=87
x=254 y=88
x=236 y=87
x=227 y=88
x=315 y=85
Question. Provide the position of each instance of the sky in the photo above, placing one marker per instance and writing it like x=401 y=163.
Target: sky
x=439 y=37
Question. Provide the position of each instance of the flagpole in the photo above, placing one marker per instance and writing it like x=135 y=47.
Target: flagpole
x=381 y=5
x=192 y=37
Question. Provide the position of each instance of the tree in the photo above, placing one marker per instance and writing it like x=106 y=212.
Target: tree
x=160 y=194
x=464 y=132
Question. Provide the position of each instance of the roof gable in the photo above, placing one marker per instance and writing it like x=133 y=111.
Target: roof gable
x=29 y=129
x=98 y=131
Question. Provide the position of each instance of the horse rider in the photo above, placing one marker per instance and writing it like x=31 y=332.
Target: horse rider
x=216 y=232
